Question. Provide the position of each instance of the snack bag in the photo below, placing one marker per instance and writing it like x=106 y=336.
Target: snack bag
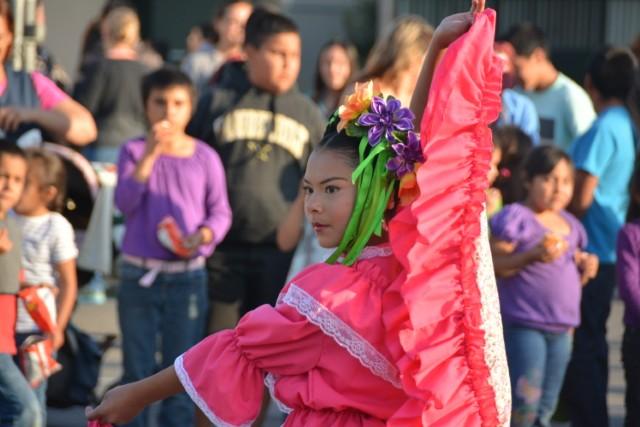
x=170 y=236
x=96 y=423
x=36 y=360
x=37 y=308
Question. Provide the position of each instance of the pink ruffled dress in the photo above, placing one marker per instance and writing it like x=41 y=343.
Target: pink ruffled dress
x=410 y=335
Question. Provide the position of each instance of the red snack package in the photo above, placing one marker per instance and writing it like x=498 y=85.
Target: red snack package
x=170 y=236
x=96 y=423
x=37 y=309
x=36 y=359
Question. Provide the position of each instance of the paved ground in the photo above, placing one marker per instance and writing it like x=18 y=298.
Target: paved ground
x=102 y=320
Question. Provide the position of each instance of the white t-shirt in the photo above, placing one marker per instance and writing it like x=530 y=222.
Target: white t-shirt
x=565 y=111
x=47 y=241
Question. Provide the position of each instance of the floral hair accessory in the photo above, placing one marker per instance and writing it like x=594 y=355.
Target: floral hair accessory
x=390 y=153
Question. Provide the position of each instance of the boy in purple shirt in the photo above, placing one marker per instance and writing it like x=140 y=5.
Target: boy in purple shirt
x=163 y=291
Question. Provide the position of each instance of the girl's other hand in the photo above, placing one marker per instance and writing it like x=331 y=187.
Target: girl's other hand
x=549 y=250
x=588 y=265
x=119 y=405
x=197 y=239
x=159 y=135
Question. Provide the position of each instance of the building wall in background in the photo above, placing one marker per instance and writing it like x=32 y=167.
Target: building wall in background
x=66 y=23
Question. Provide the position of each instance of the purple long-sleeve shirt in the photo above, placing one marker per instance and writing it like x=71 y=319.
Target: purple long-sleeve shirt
x=628 y=271
x=192 y=190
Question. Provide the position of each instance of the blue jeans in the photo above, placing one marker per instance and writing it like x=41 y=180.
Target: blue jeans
x=170 y=315
x=537 y=364
x=19 y=406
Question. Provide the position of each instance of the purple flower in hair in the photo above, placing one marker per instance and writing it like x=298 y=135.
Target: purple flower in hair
x=407 y=155
x=385 y=118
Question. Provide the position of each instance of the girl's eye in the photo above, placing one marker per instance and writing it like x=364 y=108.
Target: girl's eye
x=331 y=189
x=307 y=189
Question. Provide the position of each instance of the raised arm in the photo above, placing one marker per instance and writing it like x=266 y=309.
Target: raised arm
x=449 y=30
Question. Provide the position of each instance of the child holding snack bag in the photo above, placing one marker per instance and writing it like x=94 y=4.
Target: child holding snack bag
x=49 y=286
x=172 y=192
x=538 y=258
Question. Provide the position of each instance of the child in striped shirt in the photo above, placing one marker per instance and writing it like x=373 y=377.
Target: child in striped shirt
x=48 y=249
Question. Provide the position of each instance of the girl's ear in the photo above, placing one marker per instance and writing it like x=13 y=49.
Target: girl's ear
x=49 y=194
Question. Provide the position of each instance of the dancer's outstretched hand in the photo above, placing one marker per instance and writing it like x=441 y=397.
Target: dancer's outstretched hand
x=119 y=405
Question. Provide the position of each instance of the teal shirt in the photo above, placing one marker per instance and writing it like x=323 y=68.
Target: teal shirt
x=565 y=111
x=607 y=151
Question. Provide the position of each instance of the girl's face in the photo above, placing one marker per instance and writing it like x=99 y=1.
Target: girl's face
x=551 y=192
x=496 y=157
x=329 y=196
x=335 y=67
x=173 y=104
x=35 y=197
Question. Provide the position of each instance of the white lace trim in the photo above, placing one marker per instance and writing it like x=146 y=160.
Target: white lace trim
x=270 y=383
x=341 y=333
x=375 y=252
x=494 y=351
x=197 y=399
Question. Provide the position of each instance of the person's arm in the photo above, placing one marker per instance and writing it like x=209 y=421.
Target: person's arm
x=60 y=115
x=628 y=270
x=123 y=403
x=131 y=185
x=292 y=225
x=447 y=32
x=585 y=187
x=217 y=221
x=68 y=286
x=507 y=262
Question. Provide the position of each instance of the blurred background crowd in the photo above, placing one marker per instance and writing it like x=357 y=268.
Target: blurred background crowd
x=105 y=100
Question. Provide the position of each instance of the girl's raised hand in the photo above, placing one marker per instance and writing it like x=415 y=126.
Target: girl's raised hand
x=454 y=26
x=119 y=405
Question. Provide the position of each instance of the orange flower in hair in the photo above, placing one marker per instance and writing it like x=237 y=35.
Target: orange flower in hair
x=356 y=103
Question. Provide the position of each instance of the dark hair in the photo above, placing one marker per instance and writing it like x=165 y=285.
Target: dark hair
x=165 y=78
x=344 y=145
x=264 y=23
x=352 y=54
x=8 y=148
x=50 y=172
x=612 y=72
x=525 y=38
x=543 y=159
x=515 y=146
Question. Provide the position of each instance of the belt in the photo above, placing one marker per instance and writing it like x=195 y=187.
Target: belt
x=156 y=266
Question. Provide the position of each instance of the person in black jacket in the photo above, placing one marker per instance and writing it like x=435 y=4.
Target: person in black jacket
x=110 y=87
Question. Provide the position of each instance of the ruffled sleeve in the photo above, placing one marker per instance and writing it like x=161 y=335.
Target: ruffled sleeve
x=449 y=346
x=224 y=374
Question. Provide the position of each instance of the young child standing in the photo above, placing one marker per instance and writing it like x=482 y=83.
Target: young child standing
x=48 y=250
x=540 y=262
x=628 y=275
x=167 y=175
x=19 y=403
x=348 y=343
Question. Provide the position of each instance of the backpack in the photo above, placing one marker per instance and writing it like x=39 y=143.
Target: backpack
x=80 y=357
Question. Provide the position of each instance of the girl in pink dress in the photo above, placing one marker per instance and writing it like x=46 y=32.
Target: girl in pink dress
x=400 y=326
